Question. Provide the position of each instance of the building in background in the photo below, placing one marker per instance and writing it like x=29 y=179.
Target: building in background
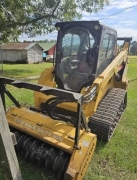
x=48 y=51
x=21 y=53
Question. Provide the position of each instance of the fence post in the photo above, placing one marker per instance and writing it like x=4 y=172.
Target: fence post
x=8 y=160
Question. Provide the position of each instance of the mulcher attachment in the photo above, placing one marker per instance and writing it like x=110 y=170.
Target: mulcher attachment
x=36 y=151
x=105 y=119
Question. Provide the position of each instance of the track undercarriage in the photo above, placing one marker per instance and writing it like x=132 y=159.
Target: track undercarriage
x=104 y=121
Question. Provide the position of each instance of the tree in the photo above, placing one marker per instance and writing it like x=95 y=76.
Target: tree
x=34 y=17
x=133 y=49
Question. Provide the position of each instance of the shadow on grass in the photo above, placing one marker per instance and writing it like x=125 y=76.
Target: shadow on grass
x=100 y=145
x=34 y=171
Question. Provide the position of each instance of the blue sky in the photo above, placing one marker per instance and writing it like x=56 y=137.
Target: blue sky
x=125 y=22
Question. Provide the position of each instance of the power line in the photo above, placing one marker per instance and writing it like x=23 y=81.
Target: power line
x=99 y=20
x=117 y=12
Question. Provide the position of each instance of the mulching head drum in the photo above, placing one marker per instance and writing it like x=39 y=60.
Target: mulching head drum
x=36 y=151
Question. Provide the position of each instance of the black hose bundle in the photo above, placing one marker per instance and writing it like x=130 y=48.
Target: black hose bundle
x=50 y=106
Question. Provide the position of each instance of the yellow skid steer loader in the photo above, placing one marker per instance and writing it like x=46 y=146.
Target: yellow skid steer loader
x=79 y=99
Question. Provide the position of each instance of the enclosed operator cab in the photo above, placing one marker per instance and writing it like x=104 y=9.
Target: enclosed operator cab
x=84 y=50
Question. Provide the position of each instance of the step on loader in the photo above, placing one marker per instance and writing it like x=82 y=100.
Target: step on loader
x=78 y=100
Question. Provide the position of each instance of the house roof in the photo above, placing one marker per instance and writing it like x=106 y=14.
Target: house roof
x=47 y=46
x=19 y=46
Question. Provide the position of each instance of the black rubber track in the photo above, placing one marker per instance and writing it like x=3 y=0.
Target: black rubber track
x=104 y=121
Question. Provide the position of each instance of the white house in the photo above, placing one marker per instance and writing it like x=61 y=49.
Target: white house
x=21 y=53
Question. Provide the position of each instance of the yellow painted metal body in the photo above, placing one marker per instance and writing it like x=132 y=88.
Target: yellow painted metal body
x=106 y=80
x=58 y=134
x=61 y=134
x=81 y=158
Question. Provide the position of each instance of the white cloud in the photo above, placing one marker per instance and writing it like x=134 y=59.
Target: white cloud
x=121 y=4
x=128 y=10
x=128 y=23
x=127 y=32
x=113 y=17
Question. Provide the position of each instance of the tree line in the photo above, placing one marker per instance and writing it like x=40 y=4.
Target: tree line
x=41 y=41
x=133 y=48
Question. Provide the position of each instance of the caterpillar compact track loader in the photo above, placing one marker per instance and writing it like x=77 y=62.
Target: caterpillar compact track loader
x=81 y=98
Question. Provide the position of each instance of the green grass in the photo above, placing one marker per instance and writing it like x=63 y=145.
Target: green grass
x=116 y=160
x=24 y=70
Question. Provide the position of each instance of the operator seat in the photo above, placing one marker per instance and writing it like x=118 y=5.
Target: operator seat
x=81 y=74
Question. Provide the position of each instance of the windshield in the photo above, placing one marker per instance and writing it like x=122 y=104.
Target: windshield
x=74 y=70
